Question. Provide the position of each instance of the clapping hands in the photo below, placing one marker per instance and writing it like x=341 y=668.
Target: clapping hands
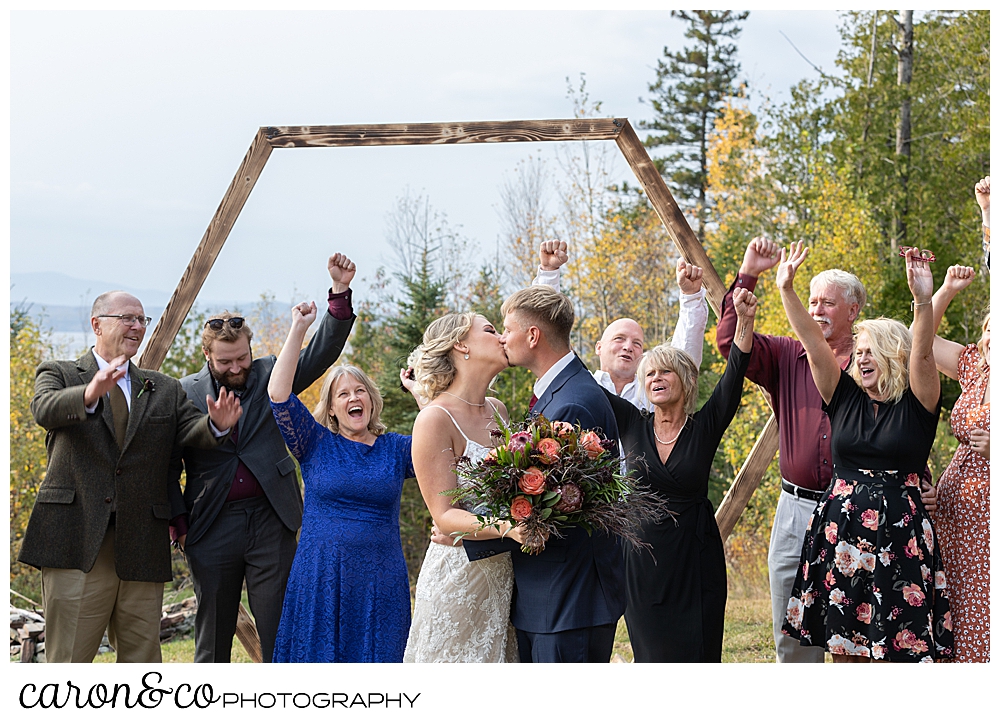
x=104 y=381
x=225 y=411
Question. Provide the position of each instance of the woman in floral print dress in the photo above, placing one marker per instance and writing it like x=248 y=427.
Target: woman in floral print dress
x=871 y=585
x=962 y=519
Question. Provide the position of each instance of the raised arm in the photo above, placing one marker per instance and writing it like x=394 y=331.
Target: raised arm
x=745 y=304
x=822 y=361
x=328 y=342
x=983 y=199
x=279 y=386
x=434 y=464
x=552 y=254
x=946 y=352
x=692 y=316
x=924 y=379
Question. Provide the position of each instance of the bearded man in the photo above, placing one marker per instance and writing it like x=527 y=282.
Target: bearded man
x=242 y=504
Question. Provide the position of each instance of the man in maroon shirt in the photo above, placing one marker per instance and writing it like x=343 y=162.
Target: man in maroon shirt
x=780 y=366
x=242 y=505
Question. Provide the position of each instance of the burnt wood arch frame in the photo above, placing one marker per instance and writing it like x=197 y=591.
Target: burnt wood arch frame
x=618 y=130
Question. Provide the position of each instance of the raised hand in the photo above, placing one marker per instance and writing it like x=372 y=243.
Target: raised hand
x=761 y=255
x=104 y=381
x=958 y=278
x=224 y=411
x=744 y=303
x=919 y=277
x=303 y=314
x=552 y=254
x=983 y=196
x=789 y=263
x=689 y=277
x=342 y=271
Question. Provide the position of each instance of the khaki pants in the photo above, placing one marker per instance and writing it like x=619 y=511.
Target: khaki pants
x=791 y=523
x=79 y=606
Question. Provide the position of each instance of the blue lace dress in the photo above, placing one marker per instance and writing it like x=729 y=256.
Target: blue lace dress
x=348 y=595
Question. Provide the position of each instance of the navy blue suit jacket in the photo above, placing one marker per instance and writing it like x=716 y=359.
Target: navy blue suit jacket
x=578 y=581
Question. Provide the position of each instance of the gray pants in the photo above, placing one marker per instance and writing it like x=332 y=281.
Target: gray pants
x=791 y=522
x=248 y=541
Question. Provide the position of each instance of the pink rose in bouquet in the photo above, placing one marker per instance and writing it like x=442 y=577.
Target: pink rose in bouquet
x=591 y=443
x=562 y=429
x=548 y=450
x=520 y=508
x=532 y=482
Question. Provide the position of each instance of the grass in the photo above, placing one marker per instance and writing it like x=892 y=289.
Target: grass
x=746 y=637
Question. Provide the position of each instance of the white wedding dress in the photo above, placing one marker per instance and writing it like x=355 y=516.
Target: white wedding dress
x=462 y=608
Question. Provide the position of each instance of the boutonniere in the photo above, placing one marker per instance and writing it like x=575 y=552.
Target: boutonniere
x=147 y=386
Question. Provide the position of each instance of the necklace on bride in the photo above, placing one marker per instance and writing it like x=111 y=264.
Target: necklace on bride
x=471 y=404
x=675 y=436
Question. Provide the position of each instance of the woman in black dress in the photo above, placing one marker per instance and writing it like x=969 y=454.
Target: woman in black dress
x=676 y=591
x=870 y=584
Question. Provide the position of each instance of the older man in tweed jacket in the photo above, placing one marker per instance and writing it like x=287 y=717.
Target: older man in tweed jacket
x=98 y=529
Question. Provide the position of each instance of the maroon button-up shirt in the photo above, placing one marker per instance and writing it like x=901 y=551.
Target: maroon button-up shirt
x=779 y=364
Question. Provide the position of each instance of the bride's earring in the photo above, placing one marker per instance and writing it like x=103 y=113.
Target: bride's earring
x=466 y=356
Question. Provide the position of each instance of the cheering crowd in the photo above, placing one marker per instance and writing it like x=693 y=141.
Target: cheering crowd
x=869 y=560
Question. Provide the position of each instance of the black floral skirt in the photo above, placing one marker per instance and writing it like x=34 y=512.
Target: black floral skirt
x=870 y=579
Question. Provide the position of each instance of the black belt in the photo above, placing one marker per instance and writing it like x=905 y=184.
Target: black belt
x=801 y=492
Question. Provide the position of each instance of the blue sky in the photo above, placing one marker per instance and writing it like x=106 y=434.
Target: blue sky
x=127 y=127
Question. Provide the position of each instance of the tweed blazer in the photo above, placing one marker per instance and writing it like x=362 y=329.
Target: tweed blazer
x=87 y=471
x=258 y=443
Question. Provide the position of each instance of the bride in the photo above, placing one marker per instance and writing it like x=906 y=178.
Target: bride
x=462 y=608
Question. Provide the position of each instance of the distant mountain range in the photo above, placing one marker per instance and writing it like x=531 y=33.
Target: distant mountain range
x=65 y=301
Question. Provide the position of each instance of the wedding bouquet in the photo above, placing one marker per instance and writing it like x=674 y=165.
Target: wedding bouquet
x=548 y=475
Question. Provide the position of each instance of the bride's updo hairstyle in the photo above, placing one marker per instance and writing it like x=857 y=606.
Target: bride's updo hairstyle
x=432 y=363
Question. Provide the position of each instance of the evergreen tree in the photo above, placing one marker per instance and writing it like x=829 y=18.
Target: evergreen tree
x=690 y=88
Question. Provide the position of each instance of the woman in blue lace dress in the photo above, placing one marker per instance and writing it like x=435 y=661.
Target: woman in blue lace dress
x=348 y=598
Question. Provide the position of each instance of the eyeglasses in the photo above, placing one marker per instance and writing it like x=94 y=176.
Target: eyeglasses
x=128 y=319
x=236 y=322
x=925 y=254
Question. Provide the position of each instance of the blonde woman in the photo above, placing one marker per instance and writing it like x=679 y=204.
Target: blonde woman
x=962 y=519
x=462 y=608
x=870 y=584
x=347 y=599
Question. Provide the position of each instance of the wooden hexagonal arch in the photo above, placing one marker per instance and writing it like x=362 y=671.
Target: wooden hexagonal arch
x=618 y=130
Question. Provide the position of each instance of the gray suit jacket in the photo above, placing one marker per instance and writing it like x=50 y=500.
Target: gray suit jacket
x=259 y=443
x=87 y=471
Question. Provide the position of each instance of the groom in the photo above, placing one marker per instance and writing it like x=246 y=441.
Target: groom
x=567 y=599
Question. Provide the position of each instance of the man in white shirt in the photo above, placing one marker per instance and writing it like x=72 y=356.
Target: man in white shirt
x=621 y=346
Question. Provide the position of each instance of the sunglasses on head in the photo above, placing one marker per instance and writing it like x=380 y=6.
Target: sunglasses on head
x=235 y=322
x=925 y=254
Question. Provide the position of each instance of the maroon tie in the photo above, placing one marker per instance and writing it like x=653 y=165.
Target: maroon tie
x=531 y=404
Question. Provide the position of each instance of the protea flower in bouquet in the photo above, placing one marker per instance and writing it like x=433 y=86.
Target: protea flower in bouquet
x=547 y=475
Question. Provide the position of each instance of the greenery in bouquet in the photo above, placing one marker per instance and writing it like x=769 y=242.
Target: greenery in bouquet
x=548 y=475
